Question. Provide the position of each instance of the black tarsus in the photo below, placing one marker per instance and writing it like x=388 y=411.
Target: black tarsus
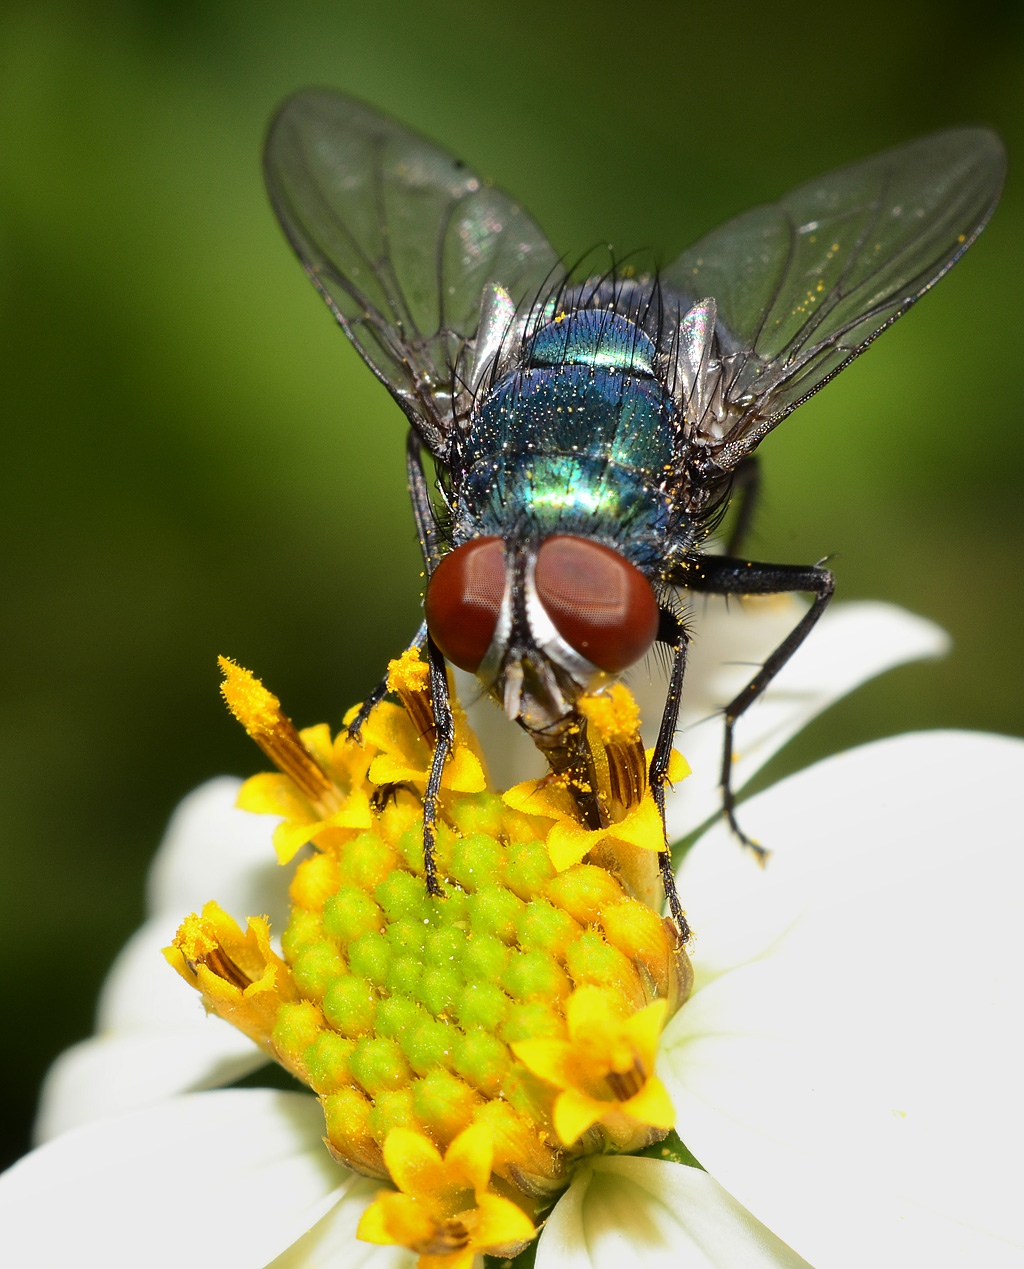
x=672 y=631
x=726 y=575
x=355 y=727
x=444 y=745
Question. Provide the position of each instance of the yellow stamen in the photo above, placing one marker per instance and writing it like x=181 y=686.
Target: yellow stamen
x=260 y=713
x=240 y=976
x=409 y=679
x=605 y=1069
x=444 y=1210
x=613 y=732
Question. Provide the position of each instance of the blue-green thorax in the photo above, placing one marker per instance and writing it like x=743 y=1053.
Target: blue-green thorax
x=576 y=439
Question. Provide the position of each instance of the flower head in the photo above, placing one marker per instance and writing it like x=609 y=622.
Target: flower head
x=511 y=1022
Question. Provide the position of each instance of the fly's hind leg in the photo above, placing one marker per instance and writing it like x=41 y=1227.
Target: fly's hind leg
x=724 y=575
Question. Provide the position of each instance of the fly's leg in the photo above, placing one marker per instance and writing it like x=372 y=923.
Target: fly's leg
x=426 y=531
x=746 y=488
x=444 y=744
x=422 y=507
x=671 y=631
x=723 y=575
x=444 y=722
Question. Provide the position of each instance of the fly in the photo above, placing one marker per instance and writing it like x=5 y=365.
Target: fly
x=587 y=434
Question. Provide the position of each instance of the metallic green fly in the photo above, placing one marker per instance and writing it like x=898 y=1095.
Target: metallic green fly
x=587 y=432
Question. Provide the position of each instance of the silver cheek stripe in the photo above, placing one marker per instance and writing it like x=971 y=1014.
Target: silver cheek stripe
x=505 y=678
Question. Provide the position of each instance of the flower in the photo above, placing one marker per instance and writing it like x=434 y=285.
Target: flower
x=604 y=1069
x=443 y=1208
x=826 y=984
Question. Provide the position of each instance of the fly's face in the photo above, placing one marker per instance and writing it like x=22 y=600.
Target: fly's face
x=540 y=623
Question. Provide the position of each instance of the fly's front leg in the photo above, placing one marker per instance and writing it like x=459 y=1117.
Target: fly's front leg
x=723 y=575
x=671 y=631
x=426 y=532
x=444 y=745
x=422 y=507
x=444 y=722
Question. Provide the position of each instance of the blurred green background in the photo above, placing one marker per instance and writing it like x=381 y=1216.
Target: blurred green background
x=195 y=462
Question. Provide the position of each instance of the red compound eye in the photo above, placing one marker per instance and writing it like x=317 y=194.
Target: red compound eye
x=601 y=605
x=463 y=600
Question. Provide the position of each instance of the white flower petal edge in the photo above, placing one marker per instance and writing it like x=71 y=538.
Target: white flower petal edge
x=231 y=1178
x=851 y=644
x=625 y=1213
x=214 y=1179
x=111 y=1074
x=154 y=1038
x=332 y=1242
x=850 y=1071
x=212 y=850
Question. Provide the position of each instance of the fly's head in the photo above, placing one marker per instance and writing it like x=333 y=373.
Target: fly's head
x=540 y=623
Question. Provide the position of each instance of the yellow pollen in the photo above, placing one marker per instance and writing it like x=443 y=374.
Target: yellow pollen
x=613 y=735
x=613 y=714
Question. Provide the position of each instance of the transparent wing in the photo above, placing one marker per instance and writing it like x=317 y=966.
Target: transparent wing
x=401 y=239
x=804 y=285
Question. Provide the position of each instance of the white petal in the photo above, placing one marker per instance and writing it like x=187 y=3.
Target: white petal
x=332 y=1242
x=854 y=1081
x=625 y=1213
x=212 y=850
x=883 y=813
x=154 y=1040
x=207 y=1181
x=111 y=1074
x=850 y=644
